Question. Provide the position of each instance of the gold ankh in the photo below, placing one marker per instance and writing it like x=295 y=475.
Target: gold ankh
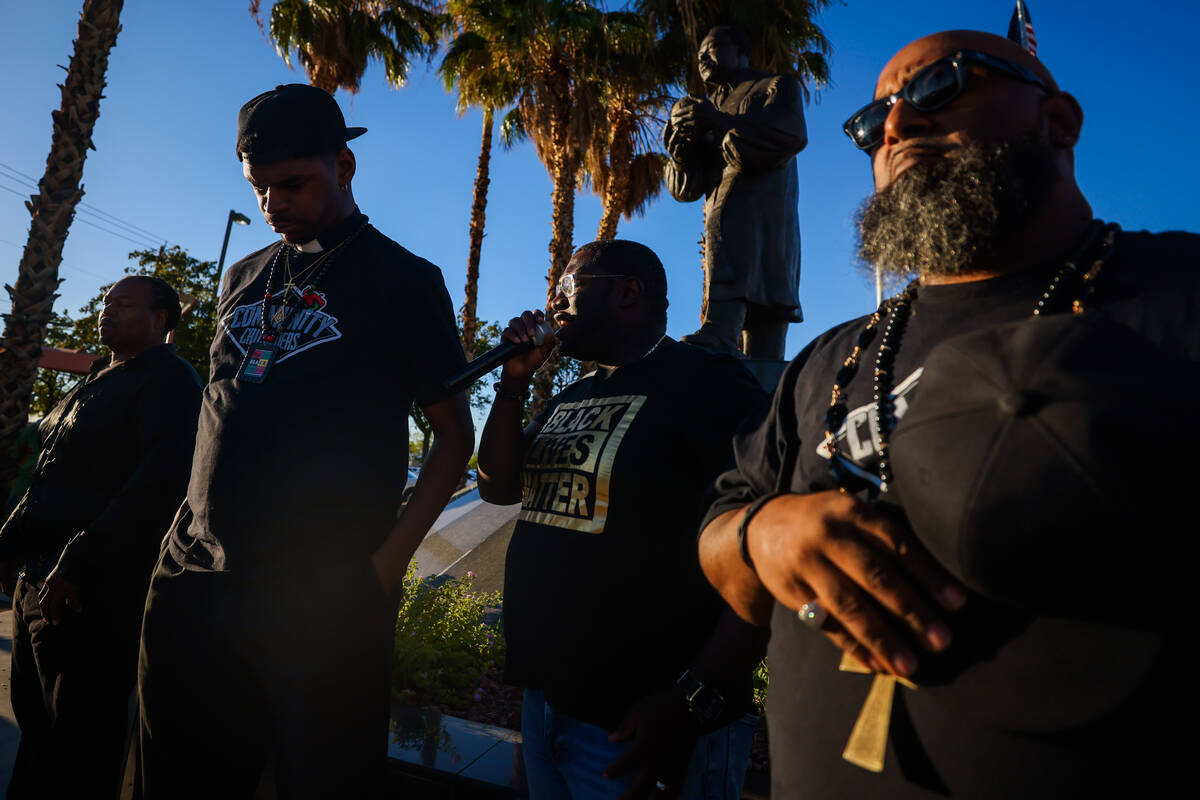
x=867 y=744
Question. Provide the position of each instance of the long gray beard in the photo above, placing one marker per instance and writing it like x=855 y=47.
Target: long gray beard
x=951 y=217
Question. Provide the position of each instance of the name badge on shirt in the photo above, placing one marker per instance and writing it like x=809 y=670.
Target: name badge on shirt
x=258 y=362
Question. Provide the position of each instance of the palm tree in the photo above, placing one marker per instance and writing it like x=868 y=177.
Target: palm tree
x=623 y=163
x=482 y=81
x=555 y=50
x=335 y=39
x=52 y=209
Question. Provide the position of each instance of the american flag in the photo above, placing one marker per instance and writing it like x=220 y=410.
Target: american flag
x=1020 y=28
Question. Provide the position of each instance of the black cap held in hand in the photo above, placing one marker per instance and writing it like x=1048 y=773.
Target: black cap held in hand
x=294 y=120
x=1036 y=456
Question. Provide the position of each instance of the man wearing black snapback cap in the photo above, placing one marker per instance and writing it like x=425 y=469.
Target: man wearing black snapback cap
x=267 y=637
x=975 y=492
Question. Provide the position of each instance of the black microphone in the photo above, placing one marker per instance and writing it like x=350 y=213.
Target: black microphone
x=495 y=357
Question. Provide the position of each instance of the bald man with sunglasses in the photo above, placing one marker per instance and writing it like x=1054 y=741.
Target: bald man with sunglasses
x=939 y=683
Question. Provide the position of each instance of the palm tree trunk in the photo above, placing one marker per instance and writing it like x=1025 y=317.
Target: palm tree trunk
x=470 y=322
x=620 y=162
x=567 y=160
x=52 y=210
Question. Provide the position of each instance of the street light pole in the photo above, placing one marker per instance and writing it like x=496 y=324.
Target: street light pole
x=240 y=219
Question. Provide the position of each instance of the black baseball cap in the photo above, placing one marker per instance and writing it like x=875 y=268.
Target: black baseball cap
x=293 y=120
x=1037 y=455
x=1048 y=464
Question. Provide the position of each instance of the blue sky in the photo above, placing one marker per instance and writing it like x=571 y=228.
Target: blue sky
x=164 y=159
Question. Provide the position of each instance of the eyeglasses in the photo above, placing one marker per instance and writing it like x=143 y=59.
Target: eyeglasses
x=934 y=87
x=569 y=284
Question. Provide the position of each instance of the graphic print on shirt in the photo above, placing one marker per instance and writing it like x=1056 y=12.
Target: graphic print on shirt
x=308 y=326
x=858 y=438
x=568 y=468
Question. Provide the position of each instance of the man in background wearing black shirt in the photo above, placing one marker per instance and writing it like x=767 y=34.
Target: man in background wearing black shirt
x=636 y=675
x=269 y=622
x=112 y=468
x=1066 y=669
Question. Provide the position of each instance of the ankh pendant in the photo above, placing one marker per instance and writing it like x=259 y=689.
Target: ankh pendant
x=867 y=744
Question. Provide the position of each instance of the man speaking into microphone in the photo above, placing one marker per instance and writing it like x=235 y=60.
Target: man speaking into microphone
x=624 y=653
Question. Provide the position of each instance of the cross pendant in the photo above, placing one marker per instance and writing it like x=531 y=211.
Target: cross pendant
x=867 y=744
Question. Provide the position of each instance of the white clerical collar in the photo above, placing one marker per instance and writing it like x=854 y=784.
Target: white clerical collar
x=310 y=247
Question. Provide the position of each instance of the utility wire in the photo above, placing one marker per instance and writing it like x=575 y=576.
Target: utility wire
x=32 y=182
x=82 y=211
x=141 y=243
x=71 y=267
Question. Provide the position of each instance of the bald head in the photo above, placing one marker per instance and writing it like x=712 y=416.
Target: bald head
x=994 y=103
x=978 y=162
x=938 y=45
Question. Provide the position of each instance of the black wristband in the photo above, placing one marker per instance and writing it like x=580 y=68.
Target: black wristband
x=751 y=510
x=510 y=395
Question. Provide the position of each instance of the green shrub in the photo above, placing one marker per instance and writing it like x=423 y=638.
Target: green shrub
x=443 y=646
x=761 y=679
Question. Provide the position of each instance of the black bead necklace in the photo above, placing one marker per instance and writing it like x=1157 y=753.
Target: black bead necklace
x=271 y=326
x=271 y=330
x=896 y=311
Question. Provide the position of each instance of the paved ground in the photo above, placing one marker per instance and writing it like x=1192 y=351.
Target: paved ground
x=465 y=525
x=10 y=736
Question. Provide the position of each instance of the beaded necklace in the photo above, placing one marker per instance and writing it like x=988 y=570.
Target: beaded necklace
x=896 y=310
x=259 y=358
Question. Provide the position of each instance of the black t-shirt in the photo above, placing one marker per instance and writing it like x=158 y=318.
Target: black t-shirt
x=307 y=468
x=604 y=600
x=112 y=468
x=1023 y=704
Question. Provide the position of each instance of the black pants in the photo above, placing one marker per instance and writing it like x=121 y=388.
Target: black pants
x=290 y=671
x=71 y=685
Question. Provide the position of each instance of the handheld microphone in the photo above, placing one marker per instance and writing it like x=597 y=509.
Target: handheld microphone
x=495 y=357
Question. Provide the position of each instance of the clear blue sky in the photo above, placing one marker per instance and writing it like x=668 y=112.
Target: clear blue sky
x=164 y=159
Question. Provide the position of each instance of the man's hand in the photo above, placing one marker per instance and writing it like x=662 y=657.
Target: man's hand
x=664 y=736
x=56 y=593
x=849 y=556
x=519 y=369
x=385 y=571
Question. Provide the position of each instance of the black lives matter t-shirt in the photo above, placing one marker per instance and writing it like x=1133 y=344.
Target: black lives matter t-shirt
x=1023 y=703
x=307 y=467
x=604 y=600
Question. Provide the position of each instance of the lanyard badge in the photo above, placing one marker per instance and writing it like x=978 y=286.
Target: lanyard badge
x=257 y=364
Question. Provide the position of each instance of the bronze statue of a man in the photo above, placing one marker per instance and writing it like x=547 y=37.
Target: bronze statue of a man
x=737 y=149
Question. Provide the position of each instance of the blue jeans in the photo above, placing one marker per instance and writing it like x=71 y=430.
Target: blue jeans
x=565 y=758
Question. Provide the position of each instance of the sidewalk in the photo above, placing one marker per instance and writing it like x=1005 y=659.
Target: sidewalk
x=10 y=736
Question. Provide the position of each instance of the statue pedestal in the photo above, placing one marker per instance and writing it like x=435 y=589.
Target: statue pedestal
x=767 y=371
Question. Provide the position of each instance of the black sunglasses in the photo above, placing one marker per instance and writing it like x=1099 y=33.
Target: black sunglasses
x=933 y=87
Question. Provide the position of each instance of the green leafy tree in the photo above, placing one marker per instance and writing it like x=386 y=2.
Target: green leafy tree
x=193 y=334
